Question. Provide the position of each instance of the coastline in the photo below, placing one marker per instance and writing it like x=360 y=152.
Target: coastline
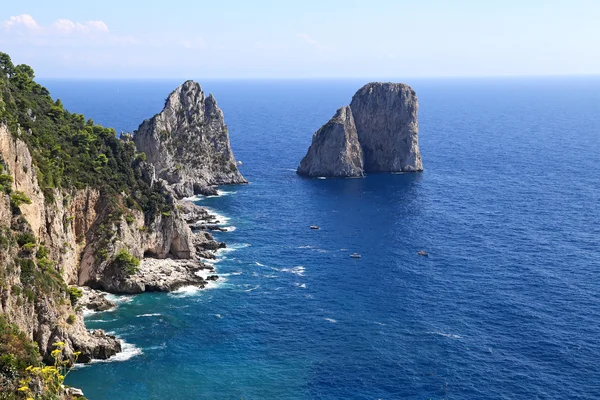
x=168 y=275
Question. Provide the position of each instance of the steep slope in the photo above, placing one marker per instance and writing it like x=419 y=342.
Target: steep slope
x=188 y=143
x=387 y=126
x=384 y=122
x=335 y=150
x=77 y=206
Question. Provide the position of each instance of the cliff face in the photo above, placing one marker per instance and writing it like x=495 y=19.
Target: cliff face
x=384 y=118
x=387 y=126
x=188 y=143
x=33 y=293
x=335 y=150
x=80 y=206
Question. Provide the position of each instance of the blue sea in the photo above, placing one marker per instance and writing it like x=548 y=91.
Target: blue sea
x=506 y=306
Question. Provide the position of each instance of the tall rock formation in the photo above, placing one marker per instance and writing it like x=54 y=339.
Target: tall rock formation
x=384 y=117
x=188 y=143
x=335 y=150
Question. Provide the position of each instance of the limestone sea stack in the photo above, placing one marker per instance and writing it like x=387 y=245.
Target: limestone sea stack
x=335 y=149
x=380 y=133
x=188 y=143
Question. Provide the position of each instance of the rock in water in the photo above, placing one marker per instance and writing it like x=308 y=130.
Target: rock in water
x=378 y=132
x=335 y=150
x=188 y=143
x=388 y=130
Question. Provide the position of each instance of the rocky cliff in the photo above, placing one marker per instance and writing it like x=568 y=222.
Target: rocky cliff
x=80 y=206
x=384 y=118
x=39 y=256
x=335 y=150
x=188 y=143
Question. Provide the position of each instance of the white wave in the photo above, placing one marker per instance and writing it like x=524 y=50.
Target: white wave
x=197 y=197
x=185 y=291
x=333 y=321
x=379 y=323
x=120 y=299
x=448 y=335
x=163 y=345
x=232 y=247
x=321 y=177
x=218 y=316
x=87 y=312
x=259 y=264
x=298 y=270
x=305 y=247
x=128 y=351
x=148 y=315
x=222 y=219
x=251 y=289
x=230 y=228
x=272 y=276
x=303 y=285
x=235 y=273
x=204 y=273
x=100 y=321
x=226 y=192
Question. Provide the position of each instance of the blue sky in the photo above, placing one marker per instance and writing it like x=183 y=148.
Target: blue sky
x=302 y=39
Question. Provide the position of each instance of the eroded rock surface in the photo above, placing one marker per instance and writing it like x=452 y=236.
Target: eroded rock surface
x=378 y=132
x=188 y=143
x=335 y=150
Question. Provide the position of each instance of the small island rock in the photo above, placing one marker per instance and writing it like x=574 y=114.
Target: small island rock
x=378 y=132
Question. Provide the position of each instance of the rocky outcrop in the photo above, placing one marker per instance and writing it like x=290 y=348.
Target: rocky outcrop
x=47 y=318
x=167 y=275
x=335 y=150
x=188 y=143
x=384 y=119
x=94 y=300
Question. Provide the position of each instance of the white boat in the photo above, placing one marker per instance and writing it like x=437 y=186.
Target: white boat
x=314 y=227
x=355 y=255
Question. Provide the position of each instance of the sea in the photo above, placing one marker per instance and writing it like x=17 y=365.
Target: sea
x=505 y=306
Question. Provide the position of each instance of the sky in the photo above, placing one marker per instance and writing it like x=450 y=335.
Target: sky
x=302 y=39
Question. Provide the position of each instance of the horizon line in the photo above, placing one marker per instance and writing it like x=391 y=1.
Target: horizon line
x=516 y=76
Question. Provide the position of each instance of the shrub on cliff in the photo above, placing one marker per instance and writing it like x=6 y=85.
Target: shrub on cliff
x=126 y=262
x=16 y=354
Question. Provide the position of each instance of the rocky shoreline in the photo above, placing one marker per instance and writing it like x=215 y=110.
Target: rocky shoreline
x=158 y=275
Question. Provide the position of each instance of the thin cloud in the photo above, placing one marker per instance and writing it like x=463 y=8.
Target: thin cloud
x=27 y=23
x=67 y=26
x=310 y=40
x=24 y=20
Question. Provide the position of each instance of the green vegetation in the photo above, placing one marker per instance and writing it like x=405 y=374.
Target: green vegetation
x=17 y=199
x=5 y=180
x=75 y=294
x=68 y=151
x=16 y=354
x=126 y=262
x=47 y=383
x=26 y=238
x=71 y=319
